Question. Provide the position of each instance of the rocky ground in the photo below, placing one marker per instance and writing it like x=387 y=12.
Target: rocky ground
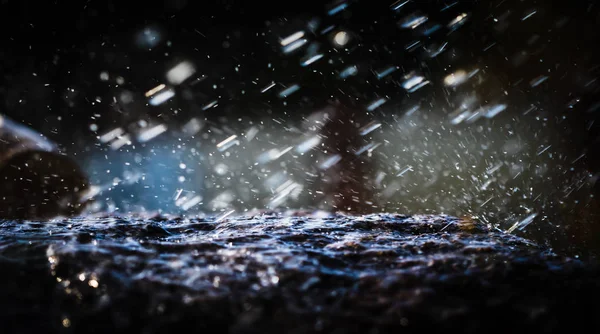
x=273 y=273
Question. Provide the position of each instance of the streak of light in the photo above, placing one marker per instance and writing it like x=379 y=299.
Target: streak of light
x=152 y=133
x=431 y=30
x=522 y=224
x=273 y=154
x=289 y=91
x=365 y=130
x=120 y=142
x=529 y=15
x=578 y=158
x=112 y=134
x=495 y=110
x=269 y=86
x=211 y=104
x=308 y=144
x=295 y=45
x=331 y=161
x=223 y=216
x=191 y=203
x=283 y=192
x=414 y=82
x=328 y=29
x=449 y=6
x=155 y=90
x=538 y=81
x=399 y=4
x=486 y=202
x=369 y=147
x=405 y=170
x=386 y=72
x=177 y=194
x=311 y=60
x=376 y=104
x=544 y=150
x=455 y=79
x=337 y=9
x=227 y=143
x=457 y=21
x=162 y=97
x=413 y=21
x=292 y=38
x=437 y=51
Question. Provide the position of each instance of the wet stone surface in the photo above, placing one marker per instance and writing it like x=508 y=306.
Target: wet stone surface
x=280 y=273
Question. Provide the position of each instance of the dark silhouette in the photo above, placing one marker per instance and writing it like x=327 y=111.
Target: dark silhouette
x=347 y=183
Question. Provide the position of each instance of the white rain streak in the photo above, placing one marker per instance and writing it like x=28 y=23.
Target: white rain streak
x=224 y=215
x=458 y=21
x=283 y=192
x=162 y=97
x=311 y=60
x=376 y=104
x=180 y=72
x=269 y=86
x=494 y=168
x=292 y=38
x=112 y=134
x=459 y=117
x=330 y=162
x=386 y=72
x=327 y=30
x=529 y=15
x=151 y=133
x=412 y=46
x=120 y=142
x=522 y=224
x=177 y=194
x=337 y=8
x=538 y=81
x=495 y=110
x=155 y=90
x=211 y=104
x=289 y=91
x=464 y=114
x=228 y=143
x=399 y=4
x=188 y=204
x=295 y=45
x=369 y=147
x=413 y=21
x=456 y=79
x=435 y=50
x=272 y=155
x=308 y=144
x=405 y=170
x=414 y=82
x=544 y=150
x=365 y=130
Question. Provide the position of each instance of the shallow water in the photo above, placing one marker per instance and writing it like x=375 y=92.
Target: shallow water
x=274 y=273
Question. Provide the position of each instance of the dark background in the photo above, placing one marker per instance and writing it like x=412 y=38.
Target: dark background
x=53 y=53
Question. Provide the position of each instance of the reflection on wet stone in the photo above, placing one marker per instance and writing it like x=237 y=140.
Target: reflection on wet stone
x=277 y=272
